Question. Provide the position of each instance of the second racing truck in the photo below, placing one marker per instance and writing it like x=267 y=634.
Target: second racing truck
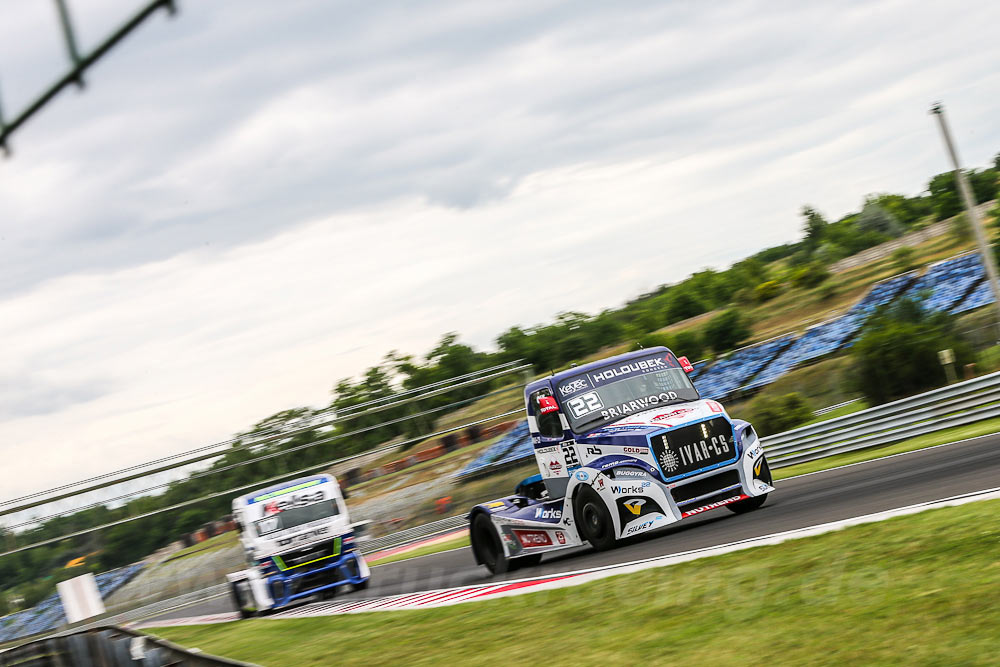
x=299 y=543
x=624 y=446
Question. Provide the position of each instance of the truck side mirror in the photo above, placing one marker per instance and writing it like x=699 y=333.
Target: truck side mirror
x=547 y=404
x=685 y=364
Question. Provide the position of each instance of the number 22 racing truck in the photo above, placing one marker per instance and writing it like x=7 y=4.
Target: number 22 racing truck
x=299 y=542
x=624 y=446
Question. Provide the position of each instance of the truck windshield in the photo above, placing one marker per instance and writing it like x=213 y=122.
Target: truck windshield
x=616 y=391
x=296 y=517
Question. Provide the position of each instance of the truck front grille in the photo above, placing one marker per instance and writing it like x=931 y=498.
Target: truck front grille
x=689 y=448
x=316 y=555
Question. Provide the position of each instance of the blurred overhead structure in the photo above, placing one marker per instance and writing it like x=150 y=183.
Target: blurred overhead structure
x=989 y=260
x=79 y=63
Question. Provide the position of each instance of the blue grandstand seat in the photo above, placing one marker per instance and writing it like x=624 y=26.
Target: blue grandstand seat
x=947 y=283
x=699 y=368
x=500 y=450
x=726 y=375
x=830 y=336
x=980 y=296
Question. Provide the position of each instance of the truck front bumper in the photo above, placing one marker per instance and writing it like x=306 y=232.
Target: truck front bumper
x=256 y=591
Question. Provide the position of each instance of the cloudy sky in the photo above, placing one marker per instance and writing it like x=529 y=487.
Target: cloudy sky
x=254 y=199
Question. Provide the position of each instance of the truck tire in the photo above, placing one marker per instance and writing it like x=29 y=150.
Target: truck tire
x=238 y=601
x=750 y=504
x=593 y=519
x=486 y=544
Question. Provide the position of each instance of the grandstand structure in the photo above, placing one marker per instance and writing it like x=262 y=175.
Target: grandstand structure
x=515 y=445
x=954 y=285
x=946 y=286
x=48 y=614
x=830 y=336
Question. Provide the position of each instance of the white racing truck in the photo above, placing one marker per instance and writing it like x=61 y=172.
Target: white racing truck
x=624 y=446
x=299 y=542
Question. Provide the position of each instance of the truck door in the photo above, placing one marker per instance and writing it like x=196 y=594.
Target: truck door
x=550 y=451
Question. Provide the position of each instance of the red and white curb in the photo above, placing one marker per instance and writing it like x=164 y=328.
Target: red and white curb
x=449 y=596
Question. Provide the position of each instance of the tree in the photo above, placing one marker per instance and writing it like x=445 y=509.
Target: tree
x=904 y=258
x=944 y=191
x=814 y=227
x=726 y=330
x=683 y=305
x=810 y=275
x=774 y=414
x=897 y=354
x=514 y=344
x=907 y=210
x=874 y=218
x=767 y=290
x=688 y=344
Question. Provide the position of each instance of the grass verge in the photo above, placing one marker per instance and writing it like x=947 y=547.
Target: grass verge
x=919 y=589
x=985 y=427
x=226 y=539
x=454 y=543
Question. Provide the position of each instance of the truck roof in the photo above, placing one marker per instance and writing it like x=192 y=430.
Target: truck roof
x=593 y=365
x=269 y=492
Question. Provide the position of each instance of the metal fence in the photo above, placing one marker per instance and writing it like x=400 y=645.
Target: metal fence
x=955 y=405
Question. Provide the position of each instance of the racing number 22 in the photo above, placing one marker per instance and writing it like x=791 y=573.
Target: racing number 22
x=585 y=404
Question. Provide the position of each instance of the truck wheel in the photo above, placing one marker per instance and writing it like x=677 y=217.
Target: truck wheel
x=750 y=504
x=486 y=544
x=238 y=602
x=594 y=520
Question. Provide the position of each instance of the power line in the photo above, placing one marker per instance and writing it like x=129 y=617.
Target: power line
x=214 y=471
x=436 y=390
x=296 y=473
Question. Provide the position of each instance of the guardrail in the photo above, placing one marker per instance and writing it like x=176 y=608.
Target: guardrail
x=830 y=408
x=955 y=405
x=111 y=647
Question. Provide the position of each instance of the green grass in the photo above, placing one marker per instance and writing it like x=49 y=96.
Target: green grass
x=227 y=539
x=984 y=427
x=919 y=589
x=454 y=543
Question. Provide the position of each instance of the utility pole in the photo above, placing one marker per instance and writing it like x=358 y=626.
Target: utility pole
x=970 y=210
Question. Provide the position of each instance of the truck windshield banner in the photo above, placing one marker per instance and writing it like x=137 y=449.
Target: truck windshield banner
x=613 y=373
x=619 y=390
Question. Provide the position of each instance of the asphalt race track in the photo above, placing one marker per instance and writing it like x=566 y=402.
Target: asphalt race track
x=831 y=495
